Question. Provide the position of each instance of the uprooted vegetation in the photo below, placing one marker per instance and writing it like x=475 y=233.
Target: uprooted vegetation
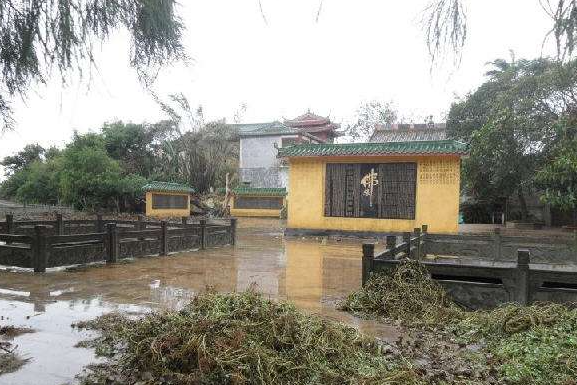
x=533 y=344
x=238 y=339
x=407 y=294
x=10 y=361
x=523 y=344
x=247 y=339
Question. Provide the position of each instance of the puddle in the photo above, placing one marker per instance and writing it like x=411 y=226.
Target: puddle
x=311 y=274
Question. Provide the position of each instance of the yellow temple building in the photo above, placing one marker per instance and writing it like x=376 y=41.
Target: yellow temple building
x=373 y=187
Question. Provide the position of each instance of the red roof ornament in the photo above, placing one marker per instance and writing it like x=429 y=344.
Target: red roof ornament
x=312 y=123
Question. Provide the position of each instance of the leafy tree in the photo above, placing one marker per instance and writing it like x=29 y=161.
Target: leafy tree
x=209 y=155
x=370 y=115
x=131 y=145
x=10 y=186
x=181 y=113
x=130 y=193
x=107 y=169
x=199 y=158
x=40 y=36
x=498 y=166
x=89 y=177
x=558 y=177
x=18 y=168
x=40 y=185
x=510 y=122
x=15 y=163
x=194 y=152
x=52 y=153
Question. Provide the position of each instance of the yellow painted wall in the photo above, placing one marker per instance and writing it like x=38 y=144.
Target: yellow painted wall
x=437 y=200
x=165 y=213
x=254 y=212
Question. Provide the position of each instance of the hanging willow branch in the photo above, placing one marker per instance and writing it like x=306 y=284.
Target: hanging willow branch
x=445 y=24
x=41 y=36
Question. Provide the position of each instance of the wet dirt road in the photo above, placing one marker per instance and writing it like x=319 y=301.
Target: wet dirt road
x=310 y=273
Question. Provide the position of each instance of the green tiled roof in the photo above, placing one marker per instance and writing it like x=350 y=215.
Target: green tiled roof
x=445 y=147
x=167 y=187
x=246 y=128
x=258 y=191
x=275 y=128
x=263 y=129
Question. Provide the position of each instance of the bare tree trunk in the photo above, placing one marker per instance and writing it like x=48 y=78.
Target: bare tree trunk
x=227 y=195
x=523 y=203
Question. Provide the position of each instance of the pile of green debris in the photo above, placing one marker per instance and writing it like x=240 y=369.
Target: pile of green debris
x=237 y=339
x=247 y=339
x=525 y=344
x=406 y=294
x=533 y=344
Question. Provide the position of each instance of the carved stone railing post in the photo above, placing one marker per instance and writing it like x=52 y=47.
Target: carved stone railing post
x=233 y=223
x=391 y=244
x=574 y=246
x=59 y=224
x=39 y=249
x=418 y=250
x=368 y=261
x=497 y=244
x=522 y=279
x=407 y=241
x=140 y=225
x=113 y=244
x=99 y=224
x=10 y=223
x=164 y=238
x=203 y=234
x=424 y=231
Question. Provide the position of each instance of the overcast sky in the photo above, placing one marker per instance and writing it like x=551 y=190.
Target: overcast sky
x=358 y=51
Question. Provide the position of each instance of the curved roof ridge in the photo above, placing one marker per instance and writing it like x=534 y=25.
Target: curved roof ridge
x=167 y=187
x=441 y=147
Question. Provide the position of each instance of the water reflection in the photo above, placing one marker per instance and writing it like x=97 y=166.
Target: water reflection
x=309 y=273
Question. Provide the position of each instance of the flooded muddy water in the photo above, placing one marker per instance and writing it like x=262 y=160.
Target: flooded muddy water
x=310 y=273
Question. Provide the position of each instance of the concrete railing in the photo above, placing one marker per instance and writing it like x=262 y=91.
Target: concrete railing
x=34 y=208
x=503 y=248
x=412 y=246
x=482 y=285
x=49 y=244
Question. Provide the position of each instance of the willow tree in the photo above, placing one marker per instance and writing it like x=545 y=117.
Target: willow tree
x=445 y=23
x=40 y=38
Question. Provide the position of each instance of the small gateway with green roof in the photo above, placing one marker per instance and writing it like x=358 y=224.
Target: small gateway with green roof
x=378 y=187
x=258 y=202
x=167 y=199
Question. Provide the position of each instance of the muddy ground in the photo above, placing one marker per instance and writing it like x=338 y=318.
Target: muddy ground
x=314 y=274
x=310 y=273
